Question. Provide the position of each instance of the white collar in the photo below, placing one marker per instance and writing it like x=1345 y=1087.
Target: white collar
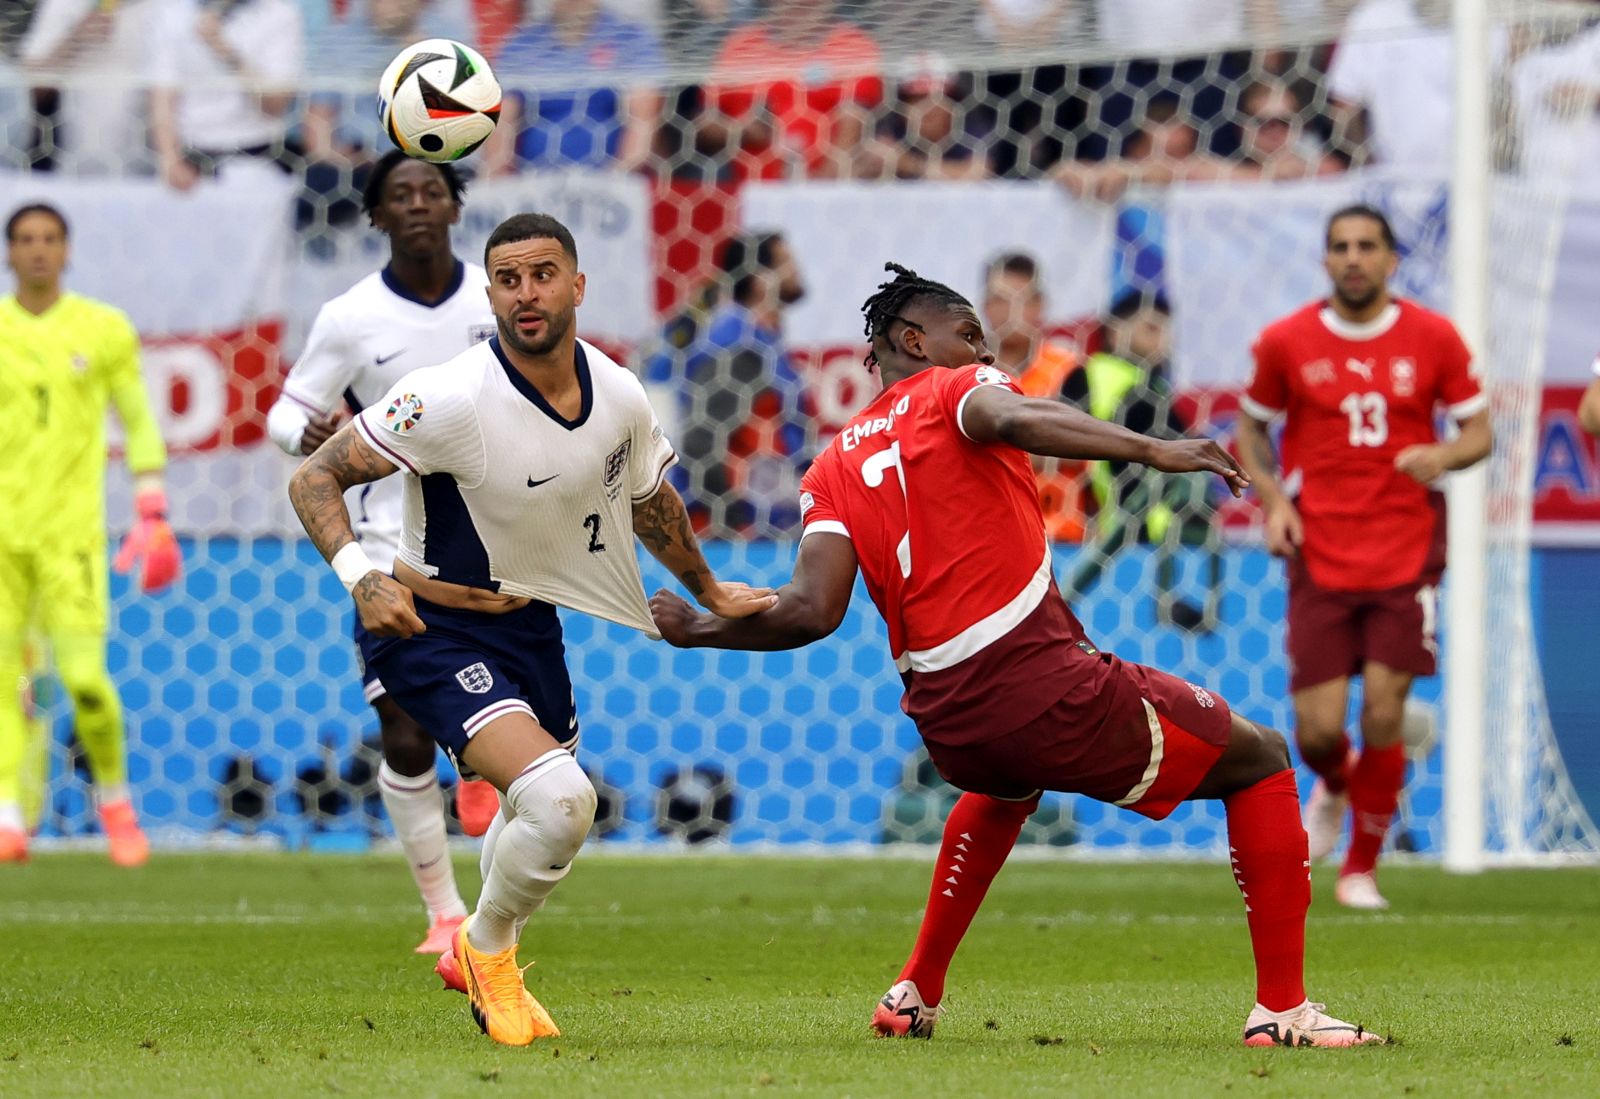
x=1371 y=330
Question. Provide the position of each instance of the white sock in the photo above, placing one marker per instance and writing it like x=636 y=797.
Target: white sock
x=553 y=806
x=11 y=816
x=416 y=809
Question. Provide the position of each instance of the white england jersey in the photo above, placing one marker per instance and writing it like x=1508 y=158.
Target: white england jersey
x=361 y=343
x=503 y=493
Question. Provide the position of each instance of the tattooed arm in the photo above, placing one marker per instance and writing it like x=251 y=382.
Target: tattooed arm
x=317 y=491
x=662 y=524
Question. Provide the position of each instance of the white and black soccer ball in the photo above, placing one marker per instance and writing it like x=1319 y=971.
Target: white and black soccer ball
x=438 y=100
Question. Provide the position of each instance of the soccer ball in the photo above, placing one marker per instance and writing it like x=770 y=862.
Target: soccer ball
x=438 y=100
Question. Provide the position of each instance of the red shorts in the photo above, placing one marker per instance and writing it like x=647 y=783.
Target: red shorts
x=1122 y=733
x=1333 y=633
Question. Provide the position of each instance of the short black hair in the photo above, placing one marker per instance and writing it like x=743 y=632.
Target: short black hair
x=744 y=258
x=372 y=192
x=530 y=227
x=1362 y=210
x=35 y=208
x=1134 y=300
x=1012 y=263
x=894 y=297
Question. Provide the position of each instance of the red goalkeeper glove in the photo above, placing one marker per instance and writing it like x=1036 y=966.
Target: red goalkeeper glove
x=151 y=539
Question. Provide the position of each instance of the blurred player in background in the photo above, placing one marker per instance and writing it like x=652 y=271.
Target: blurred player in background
x=1014 y=310
x=930 y=492
x=425 y=307
x=1357 y=379
x=533 y=462
x=66 y=358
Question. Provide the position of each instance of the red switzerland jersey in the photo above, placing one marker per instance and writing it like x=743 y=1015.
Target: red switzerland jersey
x=948 y=531
x=1353 y=397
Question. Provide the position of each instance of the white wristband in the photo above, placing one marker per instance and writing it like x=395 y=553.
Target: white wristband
x=350 y=564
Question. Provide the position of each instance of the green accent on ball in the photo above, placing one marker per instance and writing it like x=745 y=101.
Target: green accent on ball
x=464 y=67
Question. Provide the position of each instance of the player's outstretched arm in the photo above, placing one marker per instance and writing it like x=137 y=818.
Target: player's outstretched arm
x=661 y=522
x=810 y=606
x=1054 y=429
x=317 y=491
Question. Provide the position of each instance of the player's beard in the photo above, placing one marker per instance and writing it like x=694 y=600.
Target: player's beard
x=556 y=326
x=1357 y=302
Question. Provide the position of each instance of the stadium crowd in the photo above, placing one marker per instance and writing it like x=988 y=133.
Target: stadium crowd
x=723 y=91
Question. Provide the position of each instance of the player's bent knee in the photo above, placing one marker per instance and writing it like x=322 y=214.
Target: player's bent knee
x=554 y=797
x=407 y=746
x=1274 y=748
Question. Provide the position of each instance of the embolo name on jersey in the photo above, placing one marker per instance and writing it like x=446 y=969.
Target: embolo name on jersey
x=506 y=494
x=364 y=341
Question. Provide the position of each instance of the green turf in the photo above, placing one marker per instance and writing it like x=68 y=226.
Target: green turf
x=245 y=976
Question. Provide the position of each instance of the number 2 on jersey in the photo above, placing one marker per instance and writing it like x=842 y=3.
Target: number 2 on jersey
x=1369 y=418
x=872 y=472
x=592 y=523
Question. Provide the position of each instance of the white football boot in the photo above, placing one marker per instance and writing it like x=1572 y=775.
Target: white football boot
x=1306 y=1025
x=902 y=1014
x=1325 y=813
x=1359 y=891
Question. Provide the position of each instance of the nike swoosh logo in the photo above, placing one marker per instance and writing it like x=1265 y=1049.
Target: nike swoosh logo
x=535 y=484
x=379 y=360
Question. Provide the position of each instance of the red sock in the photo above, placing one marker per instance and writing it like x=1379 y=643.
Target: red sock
x=1273 y=869
x=1375 y=784
x=1333 y=766
x=978 y=836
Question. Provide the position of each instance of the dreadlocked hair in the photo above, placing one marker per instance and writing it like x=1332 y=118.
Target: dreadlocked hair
x=894 y=297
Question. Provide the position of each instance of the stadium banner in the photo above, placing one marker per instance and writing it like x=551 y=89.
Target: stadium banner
x=841 y=234
x=1566 y=474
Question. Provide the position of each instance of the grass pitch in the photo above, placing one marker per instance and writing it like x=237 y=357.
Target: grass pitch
x=276 y=975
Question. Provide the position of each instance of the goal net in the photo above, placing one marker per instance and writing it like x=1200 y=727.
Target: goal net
x=1128 y=191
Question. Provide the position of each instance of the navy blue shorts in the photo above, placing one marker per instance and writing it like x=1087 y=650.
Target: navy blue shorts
x=372 y=687
x=469 y=668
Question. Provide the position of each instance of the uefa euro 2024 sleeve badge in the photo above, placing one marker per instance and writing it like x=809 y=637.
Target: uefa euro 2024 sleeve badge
x=404 y=413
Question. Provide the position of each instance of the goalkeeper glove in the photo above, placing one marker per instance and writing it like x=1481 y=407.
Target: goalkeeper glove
x=151 y=539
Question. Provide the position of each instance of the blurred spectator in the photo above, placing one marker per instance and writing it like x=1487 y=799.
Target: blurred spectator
x=1127 y=383
x=742 y=431
x=91 y=49
x=1274 y=142
x=1165 y=147
x=933 y=130
x=219 y=100
x=576 y=123
x=342 y=126
x=1175 y=49
x=694 y=30
x=1392 y=84
x=496 y=20
x=792 y=94
x=1273 y=145
x=1556 y=104
x=1013 y=313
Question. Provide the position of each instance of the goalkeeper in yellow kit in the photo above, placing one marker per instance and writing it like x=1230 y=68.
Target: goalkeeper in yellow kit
x=63 y=359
